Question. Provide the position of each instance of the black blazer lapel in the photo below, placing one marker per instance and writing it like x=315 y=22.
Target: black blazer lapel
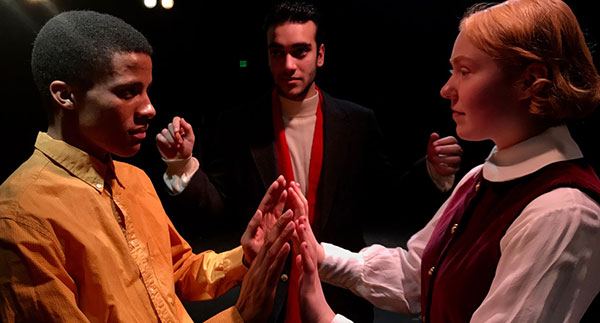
x=334 y=153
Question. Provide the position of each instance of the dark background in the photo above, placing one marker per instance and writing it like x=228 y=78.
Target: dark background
x=390 y=56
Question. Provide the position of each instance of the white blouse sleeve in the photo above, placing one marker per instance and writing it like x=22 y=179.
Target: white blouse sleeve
x=389 y=278
x=549 y=264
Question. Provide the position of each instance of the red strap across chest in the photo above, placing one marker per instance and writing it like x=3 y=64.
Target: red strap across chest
x=284 y=162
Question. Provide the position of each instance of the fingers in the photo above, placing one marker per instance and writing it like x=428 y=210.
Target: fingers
x=187 y=130
x=449 y=147
x=166 y=133
x=176 y=131
x=278 y=208
x=253 y=224
x=297 y=200
x=162 y=140
x=277 y=265
x=305 y=234
x=444 y=154
x=273 y=195
x=309 y=266
x=247 y=240
x=445 y=141
x=432 y=138
x=165 y=148
x=280 y=234
x=275 y=250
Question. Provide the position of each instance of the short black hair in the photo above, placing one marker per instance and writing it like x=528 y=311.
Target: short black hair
x=295 y=12
x=77 y=47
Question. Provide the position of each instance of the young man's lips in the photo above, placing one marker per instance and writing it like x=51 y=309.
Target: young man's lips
x=139 y=133
x=290 y=80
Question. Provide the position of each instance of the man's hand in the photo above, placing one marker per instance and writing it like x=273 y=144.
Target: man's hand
x=269 y=210
x=445 y=154
x=177 y=140
x=313 y=305
x=257 y=294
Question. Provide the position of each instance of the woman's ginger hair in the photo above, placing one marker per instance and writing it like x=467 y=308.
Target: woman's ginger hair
x=517 y=33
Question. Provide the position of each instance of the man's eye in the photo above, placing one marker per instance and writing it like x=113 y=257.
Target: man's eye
x=300 y=52
x=276 y=53
x=126 y=94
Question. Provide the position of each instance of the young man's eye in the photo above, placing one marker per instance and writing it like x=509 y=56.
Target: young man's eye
x=276 y=53
x=300 y=52
x=126 y=94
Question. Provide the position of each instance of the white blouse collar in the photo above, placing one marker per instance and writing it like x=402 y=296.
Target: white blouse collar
x=553 y=145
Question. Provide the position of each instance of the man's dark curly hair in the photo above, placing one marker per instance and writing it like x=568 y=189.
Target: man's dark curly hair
x=295 y=12
x=77 y=47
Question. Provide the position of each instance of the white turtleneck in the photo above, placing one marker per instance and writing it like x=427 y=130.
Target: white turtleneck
x=299 y=118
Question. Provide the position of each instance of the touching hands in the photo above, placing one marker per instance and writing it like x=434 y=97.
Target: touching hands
x=257 y=294
x=313 y=305
x=177 y=140
x=266 y=248
x=296 y=201
x=268 y=212
x=444 y=154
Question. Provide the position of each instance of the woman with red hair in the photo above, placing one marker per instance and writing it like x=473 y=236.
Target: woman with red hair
x=517 y=241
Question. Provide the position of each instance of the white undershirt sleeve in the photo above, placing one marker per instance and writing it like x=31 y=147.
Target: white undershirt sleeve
x=179 y=172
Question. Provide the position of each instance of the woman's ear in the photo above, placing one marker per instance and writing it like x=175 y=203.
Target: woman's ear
x=62 y=95
x=532 y=73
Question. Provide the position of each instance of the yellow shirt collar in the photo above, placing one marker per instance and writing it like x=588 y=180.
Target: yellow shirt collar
x=79 y=163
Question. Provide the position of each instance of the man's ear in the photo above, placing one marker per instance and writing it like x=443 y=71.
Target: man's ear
x=62 y=94
x=321 y=55
x=532 y=73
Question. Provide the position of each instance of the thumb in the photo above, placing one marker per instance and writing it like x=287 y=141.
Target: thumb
x=433 y=137
x=187 y=128
x=430 y=145
x=254 y=223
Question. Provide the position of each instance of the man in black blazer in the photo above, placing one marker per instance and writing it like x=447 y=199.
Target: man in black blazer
x=311 y=127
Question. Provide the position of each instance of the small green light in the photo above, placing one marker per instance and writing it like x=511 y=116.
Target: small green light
x=243 y=63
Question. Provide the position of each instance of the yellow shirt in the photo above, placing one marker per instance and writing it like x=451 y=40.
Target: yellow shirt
x=87 y=241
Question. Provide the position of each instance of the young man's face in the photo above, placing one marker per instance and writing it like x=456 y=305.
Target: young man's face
x=113 y=115
x=294 y=58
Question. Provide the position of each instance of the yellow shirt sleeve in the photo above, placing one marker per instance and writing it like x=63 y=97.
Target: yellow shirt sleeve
x=230 y=315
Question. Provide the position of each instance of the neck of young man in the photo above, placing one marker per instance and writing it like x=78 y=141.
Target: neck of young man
x=310 y=91
x=62 y=130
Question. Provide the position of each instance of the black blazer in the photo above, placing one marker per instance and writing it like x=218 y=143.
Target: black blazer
x=241 y=164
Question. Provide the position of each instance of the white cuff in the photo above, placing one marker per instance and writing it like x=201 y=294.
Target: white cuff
x=340 y=267
x=179 y=172
x=339 y=318
x=443 y=183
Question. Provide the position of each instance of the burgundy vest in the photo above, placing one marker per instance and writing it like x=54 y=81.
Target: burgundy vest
x=461 y=257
